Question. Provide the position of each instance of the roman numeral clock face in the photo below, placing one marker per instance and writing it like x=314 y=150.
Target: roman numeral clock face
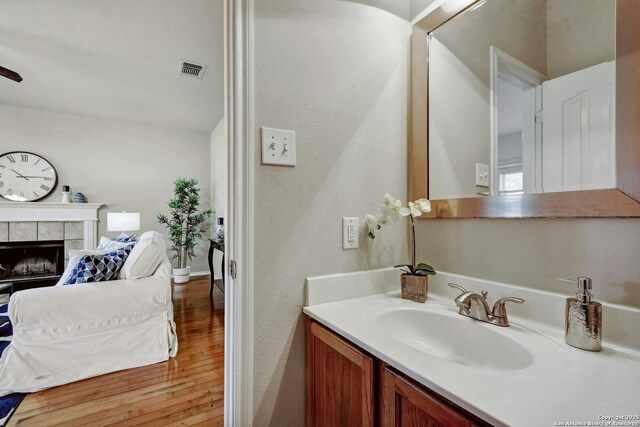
x=26 y=177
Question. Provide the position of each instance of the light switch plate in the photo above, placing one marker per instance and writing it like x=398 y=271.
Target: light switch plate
x=278 y=147
x=482 y=175
x=350 y=230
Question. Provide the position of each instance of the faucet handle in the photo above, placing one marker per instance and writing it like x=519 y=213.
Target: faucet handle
x=455 y=285
x=498 y=307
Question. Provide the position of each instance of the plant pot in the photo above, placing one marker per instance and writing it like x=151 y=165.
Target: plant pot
x=181 y=275
x=414 y=288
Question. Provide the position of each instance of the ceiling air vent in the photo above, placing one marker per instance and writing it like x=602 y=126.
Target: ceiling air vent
x=192 y=70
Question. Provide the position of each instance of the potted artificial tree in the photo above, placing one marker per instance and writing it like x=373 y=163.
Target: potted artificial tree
x=185 y=224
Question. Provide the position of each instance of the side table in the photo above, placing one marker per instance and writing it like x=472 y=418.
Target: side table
x=215 y=245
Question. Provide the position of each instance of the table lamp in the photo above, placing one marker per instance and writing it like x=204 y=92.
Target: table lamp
x=123 y=221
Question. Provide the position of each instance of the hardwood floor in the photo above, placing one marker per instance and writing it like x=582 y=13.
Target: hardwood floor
x=184 y=391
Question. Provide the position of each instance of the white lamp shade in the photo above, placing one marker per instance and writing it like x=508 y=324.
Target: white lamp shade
x=123 y=221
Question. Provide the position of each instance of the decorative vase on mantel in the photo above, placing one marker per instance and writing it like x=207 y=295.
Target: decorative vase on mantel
x=414 y=288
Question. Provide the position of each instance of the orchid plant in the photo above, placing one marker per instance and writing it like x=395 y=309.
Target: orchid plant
x=389 y=213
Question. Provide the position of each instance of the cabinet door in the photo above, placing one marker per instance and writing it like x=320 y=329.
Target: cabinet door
x=339 y=381
x=405 y=404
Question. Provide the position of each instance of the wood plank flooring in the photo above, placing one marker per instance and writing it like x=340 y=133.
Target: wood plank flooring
x=184 y=391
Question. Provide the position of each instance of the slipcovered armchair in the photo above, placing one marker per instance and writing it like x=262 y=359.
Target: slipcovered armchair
x=63 y=334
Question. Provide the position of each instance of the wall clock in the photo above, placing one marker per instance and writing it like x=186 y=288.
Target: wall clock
x=26 y=177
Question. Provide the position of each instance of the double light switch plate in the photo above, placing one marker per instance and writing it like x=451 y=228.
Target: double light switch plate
x=278 y=147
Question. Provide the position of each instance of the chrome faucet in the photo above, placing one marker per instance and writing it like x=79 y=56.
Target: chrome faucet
x=475 y=305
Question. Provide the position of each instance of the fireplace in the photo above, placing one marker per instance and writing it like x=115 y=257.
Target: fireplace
x=31 y=264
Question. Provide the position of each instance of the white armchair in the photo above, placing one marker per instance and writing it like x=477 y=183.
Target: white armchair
x=63 y=334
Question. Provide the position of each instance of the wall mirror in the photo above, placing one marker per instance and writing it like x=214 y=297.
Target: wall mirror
x=527 y=106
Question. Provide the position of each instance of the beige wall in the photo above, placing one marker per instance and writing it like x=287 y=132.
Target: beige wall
x=456 y=96
x=459 y=83
x=218 y=152
x=534 y=252
x=336 y=73
x=123 y=165
x=580 y=34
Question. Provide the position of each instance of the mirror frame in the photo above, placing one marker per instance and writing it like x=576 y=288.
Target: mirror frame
x=620 y=202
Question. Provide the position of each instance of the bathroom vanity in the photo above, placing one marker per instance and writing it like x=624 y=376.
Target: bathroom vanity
x=348 y=386
x=376 y=359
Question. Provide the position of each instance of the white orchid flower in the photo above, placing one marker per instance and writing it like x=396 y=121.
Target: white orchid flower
x=419 y=206
x=404 y=211
x=393 y=208
x=372 y=224
x=370 y=220
x=383 y=219
x=389 y=214
x=415 y=211
x=388 y=200
x=423 y=204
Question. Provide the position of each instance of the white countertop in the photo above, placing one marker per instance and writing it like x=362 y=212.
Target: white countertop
x=560 y=385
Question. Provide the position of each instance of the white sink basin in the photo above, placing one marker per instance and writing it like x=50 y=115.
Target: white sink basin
x=450 y=336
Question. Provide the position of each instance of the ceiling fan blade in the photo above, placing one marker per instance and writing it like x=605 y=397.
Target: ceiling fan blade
x=4 y=72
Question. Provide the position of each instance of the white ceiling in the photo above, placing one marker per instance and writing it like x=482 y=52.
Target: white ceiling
x=117 y=59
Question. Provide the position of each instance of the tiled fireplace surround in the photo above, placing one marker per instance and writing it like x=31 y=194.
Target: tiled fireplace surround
x=75 y=223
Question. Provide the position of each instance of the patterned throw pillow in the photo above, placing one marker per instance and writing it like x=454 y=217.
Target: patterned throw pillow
x=116 y=242
x=125 y=238
x=98 y=268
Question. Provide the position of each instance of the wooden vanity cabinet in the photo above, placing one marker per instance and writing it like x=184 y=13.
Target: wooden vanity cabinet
x=404 y=403
x=340 y=388
x=348 y=387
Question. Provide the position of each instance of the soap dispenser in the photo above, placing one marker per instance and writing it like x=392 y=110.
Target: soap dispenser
x=583 y=322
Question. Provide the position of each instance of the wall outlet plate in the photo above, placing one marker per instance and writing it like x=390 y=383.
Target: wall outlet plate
x=482 y=175
x=350 y=232
x=278 y=147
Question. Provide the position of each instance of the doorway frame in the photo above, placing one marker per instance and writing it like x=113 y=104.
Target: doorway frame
x=238 y=343
x=506 y=68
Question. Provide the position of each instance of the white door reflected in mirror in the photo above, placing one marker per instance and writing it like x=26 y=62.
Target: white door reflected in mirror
x=576 y=150
x=579 y=130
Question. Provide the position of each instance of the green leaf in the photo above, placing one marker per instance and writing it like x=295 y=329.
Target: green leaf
x=423 y=266
x=426 y=268
x=408 y=266
x=402 y=265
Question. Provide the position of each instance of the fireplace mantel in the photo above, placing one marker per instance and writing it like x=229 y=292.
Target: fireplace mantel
x=48 y=211
x=37 y=211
